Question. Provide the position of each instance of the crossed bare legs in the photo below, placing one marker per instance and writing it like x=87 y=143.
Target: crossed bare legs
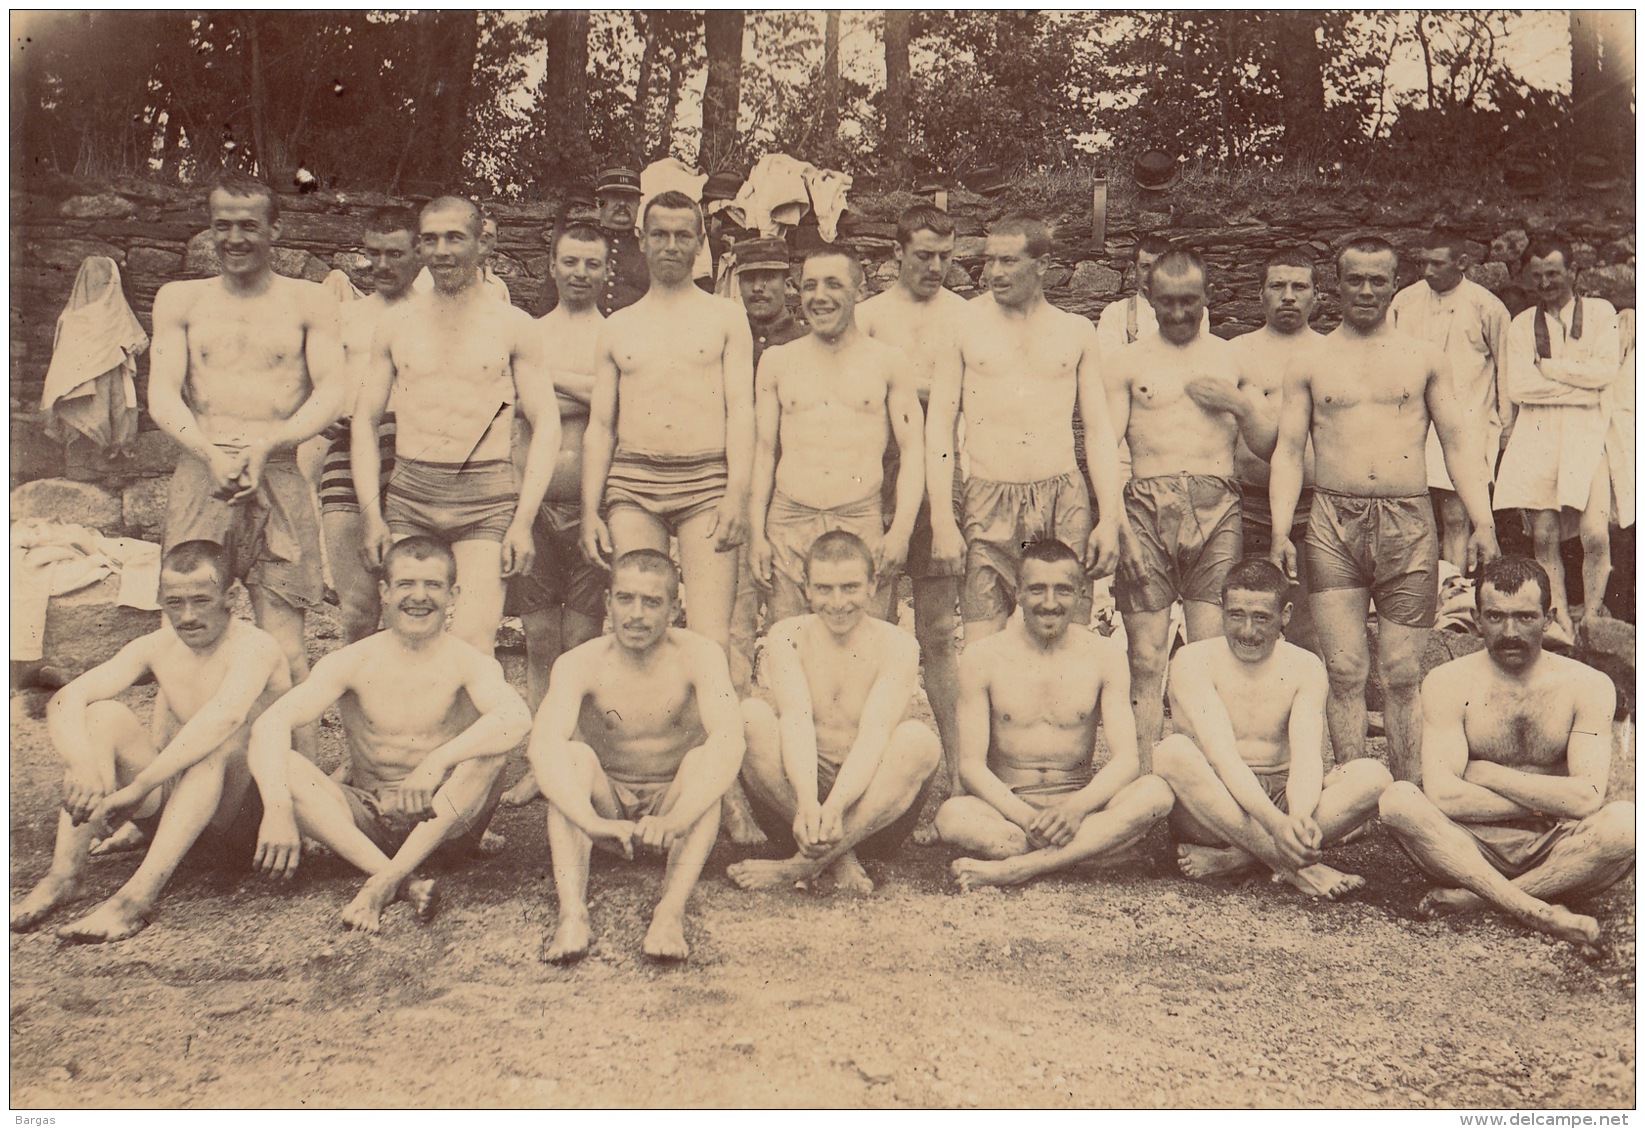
x=1596 y=855
x=1008 y=859
x=466 y=799
x=1208 y=814
x=208 y=794
x=908 y=762
x=571 y=847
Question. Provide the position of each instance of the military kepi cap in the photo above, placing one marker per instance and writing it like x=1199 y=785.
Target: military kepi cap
x=618 y=180
x=761 y=254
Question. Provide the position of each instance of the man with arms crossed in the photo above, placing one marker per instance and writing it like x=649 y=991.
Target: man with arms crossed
x=1365 y=396
x=678 y=460
x=1516 y=755
x=1562 y=356
x=1261 y=358
x=833 y=401
x=1248 y=768
x=427 y=719
x=183 y=782
x=391 y=245
x=1176 y=400
x=459 y=363
x=561 y=599
x=839 y=767
x=1016 y=370
x=1468 y=324
x=922 y=317
x=1031 y=698
x=244 y=367
x=635 y=744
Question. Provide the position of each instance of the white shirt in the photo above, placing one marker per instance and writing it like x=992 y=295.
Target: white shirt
x=1469 y=324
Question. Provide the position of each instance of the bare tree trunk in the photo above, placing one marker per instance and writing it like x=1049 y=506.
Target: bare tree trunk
x=453 y=85
x=259 y=98
x=1427 y=56
x=898 y=162
x=723 y=38
x=671 y=108
x=829 y=115
x=574 y=123
x=1301 y=82
x=642 y=88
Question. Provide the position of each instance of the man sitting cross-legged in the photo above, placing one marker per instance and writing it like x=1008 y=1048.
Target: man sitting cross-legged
x=1031 y=698
x=187 y=782
x=427 y=719
x=1248 y=773
x=1516 y=756
x=839 y=767
x=635 y=744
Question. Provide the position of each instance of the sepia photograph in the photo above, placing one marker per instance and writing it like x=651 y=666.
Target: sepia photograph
x=812 y=559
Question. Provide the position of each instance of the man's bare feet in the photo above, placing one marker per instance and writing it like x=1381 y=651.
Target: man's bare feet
x=1199 y=862
x=114 y=920
x=570 y=940
x=1446 y=899
x=49 y=893
x=524 y=791
x=849 y=876
x=665 y=940
x=737 y=819
x=424 y=897
x=365 y=912
x=127 y=837
x=767 y=874
x=1321 y=881
x=926 y=834
x=490 y=845
x=972 y=873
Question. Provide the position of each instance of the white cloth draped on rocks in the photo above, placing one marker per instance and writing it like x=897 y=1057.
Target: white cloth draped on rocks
x=90 y=388
x=51 y=559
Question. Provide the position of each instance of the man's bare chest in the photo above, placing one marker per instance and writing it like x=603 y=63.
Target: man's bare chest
x=1526 y=732
x=243 y=336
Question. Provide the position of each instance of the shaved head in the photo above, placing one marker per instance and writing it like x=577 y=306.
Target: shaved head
x=470 y=210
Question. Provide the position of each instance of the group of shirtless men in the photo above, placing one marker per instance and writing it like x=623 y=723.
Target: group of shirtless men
x=770 y=453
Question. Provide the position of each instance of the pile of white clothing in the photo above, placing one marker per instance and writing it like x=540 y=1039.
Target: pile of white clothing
x=52 y=559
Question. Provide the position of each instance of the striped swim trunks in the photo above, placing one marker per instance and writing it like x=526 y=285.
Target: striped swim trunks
x=452 y=501
x=671 y=488
x=337 y=472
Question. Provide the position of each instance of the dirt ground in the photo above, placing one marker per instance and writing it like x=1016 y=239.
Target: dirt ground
x=1130 y=987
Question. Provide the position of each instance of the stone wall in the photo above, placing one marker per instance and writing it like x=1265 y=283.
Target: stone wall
x=157 y=234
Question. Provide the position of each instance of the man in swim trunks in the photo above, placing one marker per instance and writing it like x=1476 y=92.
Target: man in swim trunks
x=1248 y=765
x=1261 y=358
x=1516 y=756
x=427 y=719
x=1469 y=325
x=1365 y=395
x=244 y=367
x=1016 y=369
x=635 y=744
x=391 y=245
x=460 y=363
x=922 y=317
x=184 y=780
x=678 y=460
x=1176 y=400
x=762 y=281
x=832 y=401
x=561 y=599
x=839 y=768
x=1031 y=698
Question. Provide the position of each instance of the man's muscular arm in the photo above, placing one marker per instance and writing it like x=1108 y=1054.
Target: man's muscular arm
x=767 y=421
x=599 y=442
x=1445 y=761
x=882 y=711
x=1305 y=736
x=1054 y=826
x=1119 y=418
x=331 y=392
x=247 y=673
x=86 y=782
x=534 y=392
x=731 y=522
x=168 y=369
x=1461 y=440
x=503 y=723
x=798 y=730
x=1102 y=462
x=973 y=719
x=941 y=419
x=1285 y=475
x=1195 y=699
x=902 y=402
x=376 y=381
x=550 y=754
x=1587 y=760
x=722 y=721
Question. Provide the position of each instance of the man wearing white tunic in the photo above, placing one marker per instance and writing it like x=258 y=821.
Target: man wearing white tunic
x=1470 y=326
x=1563 y=354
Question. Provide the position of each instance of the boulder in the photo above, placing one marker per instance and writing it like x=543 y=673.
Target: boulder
x=68 y=254
x=1614 y=283
x=87 y=627
x=1509 y=246
x=1494 y=276
x=1090 y=278
x=152 y=260
x=72 y=503
x=104 y=205
x=143 y=508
